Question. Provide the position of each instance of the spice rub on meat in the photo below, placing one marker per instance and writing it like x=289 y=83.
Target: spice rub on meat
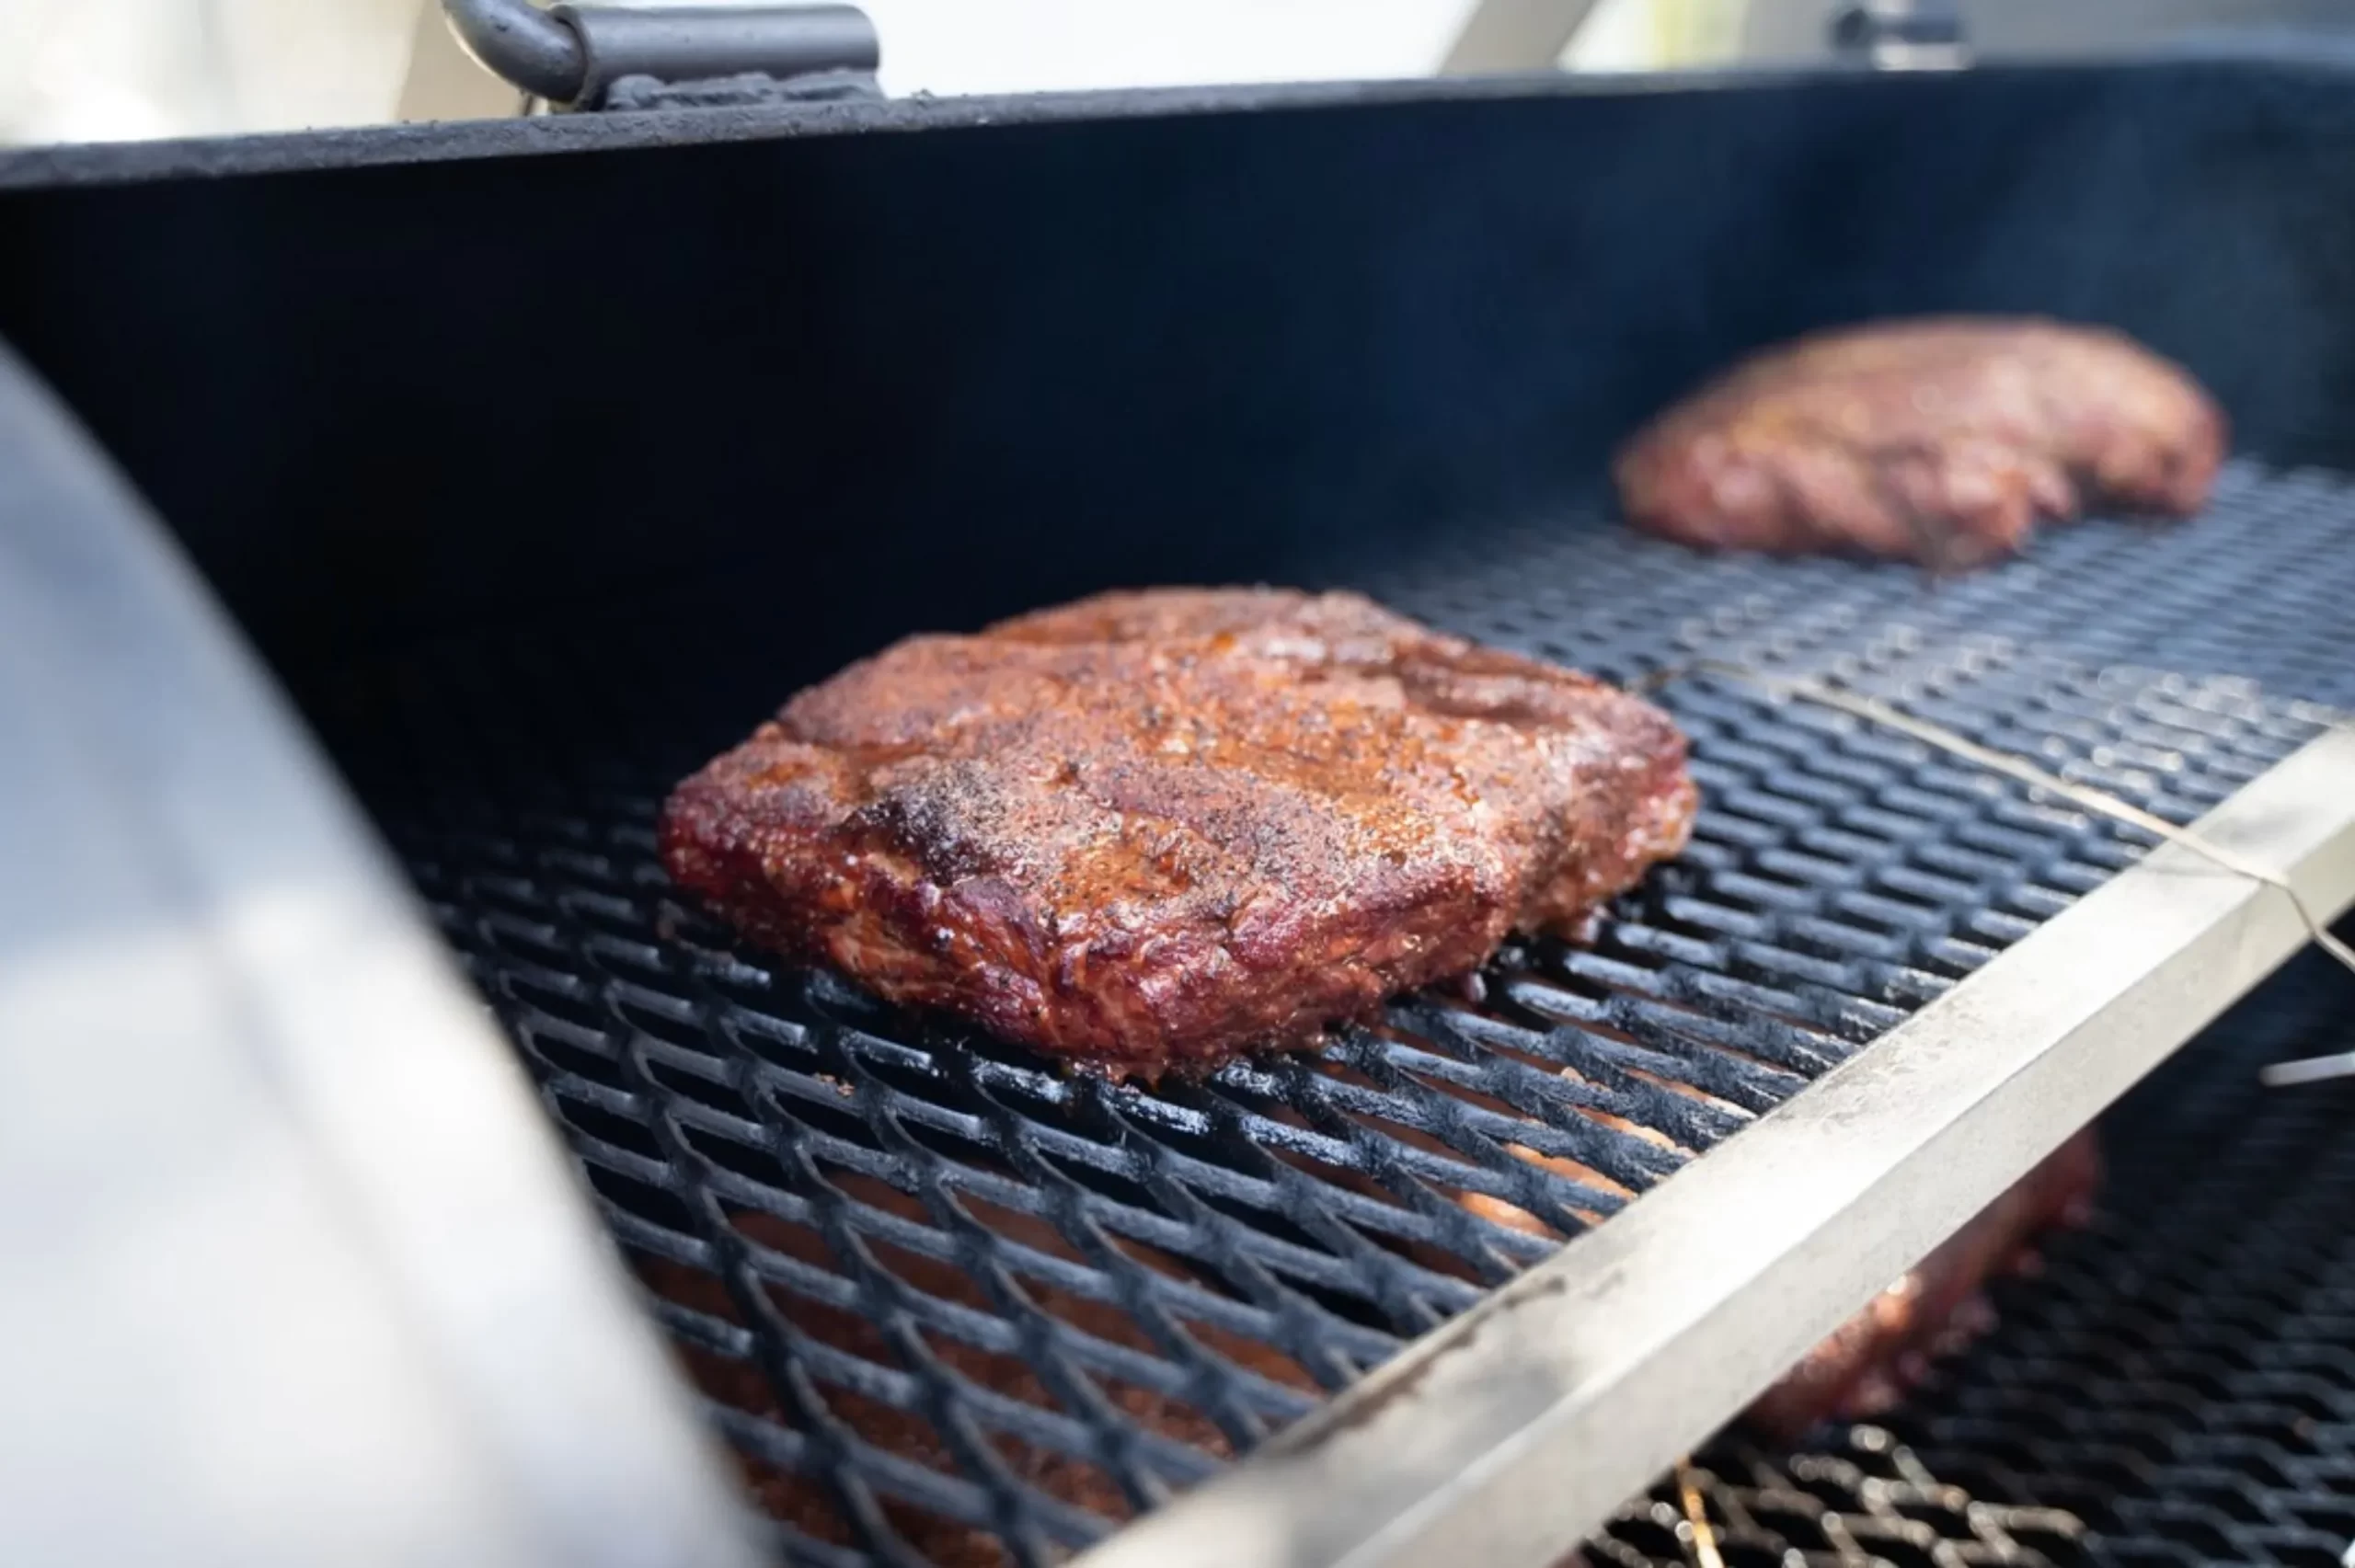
x=1157 y=829
x=1943 y=439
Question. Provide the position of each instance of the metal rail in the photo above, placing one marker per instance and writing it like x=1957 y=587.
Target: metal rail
x=1508 y=1434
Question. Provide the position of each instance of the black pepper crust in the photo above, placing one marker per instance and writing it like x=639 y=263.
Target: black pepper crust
x=1155 y=828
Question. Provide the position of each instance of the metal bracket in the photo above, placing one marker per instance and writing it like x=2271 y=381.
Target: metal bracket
x=590 y=57
x=1902 y=35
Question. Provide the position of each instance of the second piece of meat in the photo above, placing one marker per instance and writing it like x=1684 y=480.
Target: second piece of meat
x=1936 y=1307
x=1942 y=441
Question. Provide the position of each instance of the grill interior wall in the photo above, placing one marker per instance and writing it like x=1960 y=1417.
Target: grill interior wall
x=906 y=380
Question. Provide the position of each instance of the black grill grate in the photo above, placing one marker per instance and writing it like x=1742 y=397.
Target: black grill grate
x=945 y=1300
x=2177 y=1388
x=1866 y=1500
x=2255 y=588
x=2185 y=1375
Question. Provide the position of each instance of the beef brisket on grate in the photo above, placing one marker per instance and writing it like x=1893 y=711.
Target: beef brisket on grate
x=1942 y=441
x=1154 y=829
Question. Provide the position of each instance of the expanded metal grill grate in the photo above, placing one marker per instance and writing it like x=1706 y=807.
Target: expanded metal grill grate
x=1865 y=1501
x=949 y=1304
x=2177 y=1388
x=2184 y=1378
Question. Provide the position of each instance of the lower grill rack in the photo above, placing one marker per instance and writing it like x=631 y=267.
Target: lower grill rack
x=950 y=1305
x=1866 y=1499
x=2177 y=1386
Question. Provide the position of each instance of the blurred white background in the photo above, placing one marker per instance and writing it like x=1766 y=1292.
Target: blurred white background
x=90 y=70
x=100 y=70
x=965 y=46
x=94 y=70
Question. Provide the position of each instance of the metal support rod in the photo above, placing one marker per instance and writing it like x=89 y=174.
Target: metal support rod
x=1516 y=35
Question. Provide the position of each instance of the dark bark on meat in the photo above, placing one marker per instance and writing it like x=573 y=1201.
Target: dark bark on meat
x=1155 y=828
x=1942 y=441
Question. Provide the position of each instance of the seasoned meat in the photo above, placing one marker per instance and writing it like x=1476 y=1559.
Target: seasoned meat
x=1941 y=440
x=1935 y=1308
x=1159 y=828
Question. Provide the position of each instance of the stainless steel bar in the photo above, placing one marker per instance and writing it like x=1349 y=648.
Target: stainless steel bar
x=297 y=1272
x=1508 y=1434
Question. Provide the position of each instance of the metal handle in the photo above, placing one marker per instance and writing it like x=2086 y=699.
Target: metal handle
x=516 y=40
x=704 y=43
x=572 y=56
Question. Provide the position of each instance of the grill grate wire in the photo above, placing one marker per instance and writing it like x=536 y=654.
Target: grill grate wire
x=950 y=1305
x=2176 y=1387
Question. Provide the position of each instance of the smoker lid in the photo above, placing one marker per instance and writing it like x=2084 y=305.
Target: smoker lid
x=245 y=1322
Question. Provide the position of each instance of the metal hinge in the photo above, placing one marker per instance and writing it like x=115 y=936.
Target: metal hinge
x=1902 y=35
x=593 y=57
